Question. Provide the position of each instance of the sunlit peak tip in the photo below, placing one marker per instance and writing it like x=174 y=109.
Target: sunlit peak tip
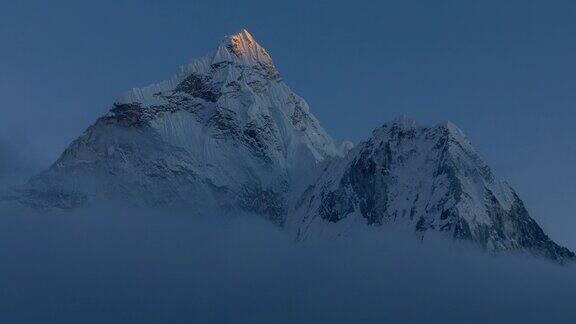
x=243 y=34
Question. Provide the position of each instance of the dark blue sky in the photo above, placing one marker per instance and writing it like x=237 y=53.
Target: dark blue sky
x=504 y=71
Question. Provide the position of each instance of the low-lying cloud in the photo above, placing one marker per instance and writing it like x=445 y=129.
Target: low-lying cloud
x=117 y=266
x=17 y=161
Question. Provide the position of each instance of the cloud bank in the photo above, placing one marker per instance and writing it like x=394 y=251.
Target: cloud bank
x=111 y=266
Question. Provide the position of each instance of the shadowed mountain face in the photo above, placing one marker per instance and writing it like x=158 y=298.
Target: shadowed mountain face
x=227 y=134
x=422 y=179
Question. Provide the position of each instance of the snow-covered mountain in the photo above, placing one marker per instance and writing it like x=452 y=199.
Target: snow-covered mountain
x=420 y=179
x=224 y=126
x=227 y=134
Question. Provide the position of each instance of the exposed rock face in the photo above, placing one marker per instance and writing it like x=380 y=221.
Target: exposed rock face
x=227 y=134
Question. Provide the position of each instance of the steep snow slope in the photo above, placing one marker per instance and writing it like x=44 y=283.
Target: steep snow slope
x=421 y=179
x=226 y=123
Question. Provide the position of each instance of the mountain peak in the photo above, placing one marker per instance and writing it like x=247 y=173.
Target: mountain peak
x=240 y=49
x=404 y=122
x=243 y=36
x=454 y=130
x=244 y=49
x=401 y=122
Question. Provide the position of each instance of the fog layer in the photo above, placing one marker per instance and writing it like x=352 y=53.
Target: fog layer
x=111 y=266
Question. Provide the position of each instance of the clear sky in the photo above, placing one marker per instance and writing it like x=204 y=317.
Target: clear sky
x=504 y=71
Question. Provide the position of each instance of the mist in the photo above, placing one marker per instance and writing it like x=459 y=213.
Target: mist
x=113 y=265
x=18 y=161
